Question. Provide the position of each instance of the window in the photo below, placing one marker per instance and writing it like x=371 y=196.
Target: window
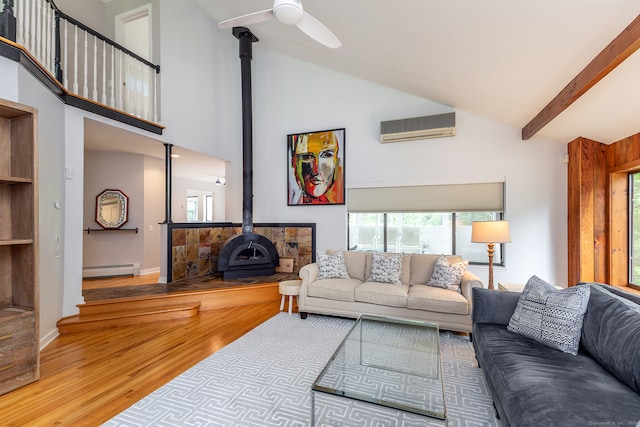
x=192 y=208
x=634 y=228
x=422 y=232
x=208 y=207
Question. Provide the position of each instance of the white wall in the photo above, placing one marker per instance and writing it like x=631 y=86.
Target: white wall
x=153 y=213
x=51 y=138
x=481 y=151
x=114 y=171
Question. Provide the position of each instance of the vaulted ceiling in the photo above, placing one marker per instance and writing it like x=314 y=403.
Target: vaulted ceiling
x=501 y=59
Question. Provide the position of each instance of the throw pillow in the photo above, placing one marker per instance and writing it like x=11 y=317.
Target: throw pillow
x=549 y=316
x=331 y=266
x=447 y=274
x=385 y=268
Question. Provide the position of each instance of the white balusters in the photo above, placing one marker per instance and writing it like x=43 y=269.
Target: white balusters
x=153 y=100
x=112 y=102
x=104 y=72
x=85 y=87
x=120 y=82
x=75 y=60
x=95 y=69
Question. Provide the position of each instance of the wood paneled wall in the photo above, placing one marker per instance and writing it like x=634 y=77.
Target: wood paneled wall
x=598 y=215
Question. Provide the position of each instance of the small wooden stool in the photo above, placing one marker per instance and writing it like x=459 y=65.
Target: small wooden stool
x=291 y=288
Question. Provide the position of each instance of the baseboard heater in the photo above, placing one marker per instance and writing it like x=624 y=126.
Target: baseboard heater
x=111 y=270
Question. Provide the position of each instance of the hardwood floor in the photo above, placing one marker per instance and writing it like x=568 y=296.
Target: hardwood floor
x=88 y=377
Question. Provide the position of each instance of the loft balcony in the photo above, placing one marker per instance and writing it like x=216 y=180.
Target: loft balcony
x=82 y=67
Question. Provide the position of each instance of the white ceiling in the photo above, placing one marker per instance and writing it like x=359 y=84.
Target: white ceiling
x=190 y=164
x=501 y=59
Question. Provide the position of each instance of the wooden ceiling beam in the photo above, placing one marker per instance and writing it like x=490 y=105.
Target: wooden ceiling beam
x=623 y=46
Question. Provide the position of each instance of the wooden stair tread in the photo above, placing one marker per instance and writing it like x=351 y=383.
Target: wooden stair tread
x=124 y=317
x=131 y=312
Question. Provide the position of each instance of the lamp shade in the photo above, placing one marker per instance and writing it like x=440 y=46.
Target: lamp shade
x=490 y=232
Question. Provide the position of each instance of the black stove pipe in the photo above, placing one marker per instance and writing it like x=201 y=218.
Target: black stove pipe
x=246 y=38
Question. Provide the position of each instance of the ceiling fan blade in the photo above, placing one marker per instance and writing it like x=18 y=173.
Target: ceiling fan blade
x=251 y=18
x=318 y=31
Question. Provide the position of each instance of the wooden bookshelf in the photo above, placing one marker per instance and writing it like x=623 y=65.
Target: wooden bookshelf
x=19 y=287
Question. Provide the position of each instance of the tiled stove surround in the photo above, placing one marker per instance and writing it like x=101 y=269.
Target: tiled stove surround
x=194 y=247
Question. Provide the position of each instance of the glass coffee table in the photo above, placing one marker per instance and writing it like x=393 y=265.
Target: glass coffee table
x=389 y=362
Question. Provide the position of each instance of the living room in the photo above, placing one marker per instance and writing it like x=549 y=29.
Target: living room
x=201 y=111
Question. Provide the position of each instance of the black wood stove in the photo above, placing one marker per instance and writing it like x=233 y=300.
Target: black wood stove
x=247 y=254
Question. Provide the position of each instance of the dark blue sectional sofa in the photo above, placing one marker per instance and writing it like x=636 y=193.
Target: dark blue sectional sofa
x=534 y=385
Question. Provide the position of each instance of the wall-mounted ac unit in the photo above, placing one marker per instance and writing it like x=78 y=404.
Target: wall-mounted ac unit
x=436 y=126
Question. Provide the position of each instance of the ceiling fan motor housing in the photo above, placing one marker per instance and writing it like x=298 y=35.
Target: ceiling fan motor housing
x=288 y=11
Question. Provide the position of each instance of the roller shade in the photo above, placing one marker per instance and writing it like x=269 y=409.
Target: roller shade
x=479 y=197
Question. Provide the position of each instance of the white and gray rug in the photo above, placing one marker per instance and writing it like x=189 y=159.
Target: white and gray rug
x=264 y=379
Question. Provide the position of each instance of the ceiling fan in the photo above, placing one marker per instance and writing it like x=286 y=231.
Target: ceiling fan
x=288 y=12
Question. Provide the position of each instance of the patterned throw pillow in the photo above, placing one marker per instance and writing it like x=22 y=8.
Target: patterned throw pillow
x=447 y=275
x=385 y=268
x=331 y=266
x=549 y=316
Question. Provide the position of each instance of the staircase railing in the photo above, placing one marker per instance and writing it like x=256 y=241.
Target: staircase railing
x=86 y=63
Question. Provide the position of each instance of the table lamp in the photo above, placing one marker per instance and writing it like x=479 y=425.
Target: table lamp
x=490 y=232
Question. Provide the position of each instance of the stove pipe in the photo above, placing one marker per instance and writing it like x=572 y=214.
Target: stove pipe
x=246 y=38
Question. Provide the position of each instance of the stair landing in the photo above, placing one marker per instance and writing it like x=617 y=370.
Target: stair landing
x=131 y=305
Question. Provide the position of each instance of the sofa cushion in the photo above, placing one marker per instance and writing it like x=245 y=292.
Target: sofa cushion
x=422 y=266
x=332 y=266
x=447 y=274
x=611 y=334
x=356 y=262
x=334 y=289
x=385 y=268
x=382 y=294
x=549 y=316
x=423 y=297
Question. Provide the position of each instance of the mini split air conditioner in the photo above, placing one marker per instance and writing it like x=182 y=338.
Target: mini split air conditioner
x=436 y=126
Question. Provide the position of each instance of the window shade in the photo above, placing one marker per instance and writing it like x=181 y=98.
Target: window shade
x=480 y=197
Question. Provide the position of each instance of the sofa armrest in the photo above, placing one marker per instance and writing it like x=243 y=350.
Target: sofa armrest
x=467 y=283
x=309 y=273
x=493 y=306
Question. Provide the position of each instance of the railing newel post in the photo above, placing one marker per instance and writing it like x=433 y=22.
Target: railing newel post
x=58 y=67
x=8 y=21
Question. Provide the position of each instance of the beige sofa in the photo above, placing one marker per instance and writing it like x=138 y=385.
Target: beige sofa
x=411 y=298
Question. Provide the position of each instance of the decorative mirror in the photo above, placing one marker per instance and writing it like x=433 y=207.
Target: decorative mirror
x=112 y=208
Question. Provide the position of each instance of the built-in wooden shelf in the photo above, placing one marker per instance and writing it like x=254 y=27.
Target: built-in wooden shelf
x=10 y=312
x=14 y=180
x=11 y=242
x=19 y=278
x=93 y=230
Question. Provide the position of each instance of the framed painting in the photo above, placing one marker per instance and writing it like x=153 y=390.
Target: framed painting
x=316 y=168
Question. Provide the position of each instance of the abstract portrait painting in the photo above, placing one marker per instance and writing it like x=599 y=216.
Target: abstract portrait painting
x=316 y=168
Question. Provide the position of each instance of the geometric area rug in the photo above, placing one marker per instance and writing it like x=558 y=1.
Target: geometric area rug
x=264 y=379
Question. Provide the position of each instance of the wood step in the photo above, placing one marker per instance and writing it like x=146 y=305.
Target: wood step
x=128 y=316
x=209 y=299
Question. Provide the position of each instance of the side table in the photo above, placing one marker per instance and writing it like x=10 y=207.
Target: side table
x=290 y=288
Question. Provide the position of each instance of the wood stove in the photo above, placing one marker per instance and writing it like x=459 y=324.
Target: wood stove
x=247 y=254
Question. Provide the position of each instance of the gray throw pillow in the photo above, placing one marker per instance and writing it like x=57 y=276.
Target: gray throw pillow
x=549 y=316
x=385 y=268
x=447 y=274
x=331 y=266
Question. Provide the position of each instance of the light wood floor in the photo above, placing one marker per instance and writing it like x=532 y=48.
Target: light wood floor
x=89 y=377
